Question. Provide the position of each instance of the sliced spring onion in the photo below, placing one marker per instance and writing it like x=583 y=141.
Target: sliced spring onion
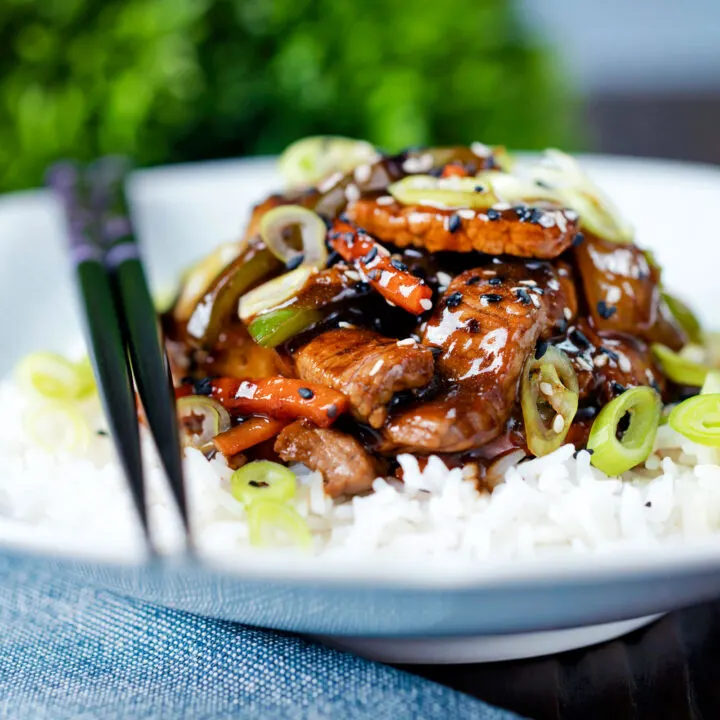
x=263 y=480
x=275 y=524
x=57 y=427
x=679 y=369
x=612 y=455
x=278 y=222
x=549 y=400
x=277 y=326
x=698 y=419
x=201 y=418
x=573 y=187
x=273 y=293
x=685 y=317
x=86 y=376
x=52 y=377
x=512 y=189
x=711 y=386
x=199 y=277
x=444 y=193
x=309 y=160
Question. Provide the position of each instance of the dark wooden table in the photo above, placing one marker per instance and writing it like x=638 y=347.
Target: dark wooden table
x=668 y=670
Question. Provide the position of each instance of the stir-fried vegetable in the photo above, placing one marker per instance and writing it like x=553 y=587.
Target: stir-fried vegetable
x=282 y=398
x=549 y=399
x=711 y=385
x=263 y=480
x=389 y=277
x=679 y=369
x=278 y=222
x=562 y=174
x=444 y=192
x=277 y=326
x=275 y=524
x=614 y=455
x=309 y=160
x=274 y=293
x=221 y=299
x=52 y=377
x=199 y=278
x=201 y=418
x=247 y=434
x=685 y=317
x=698 y=419
x=57 y=427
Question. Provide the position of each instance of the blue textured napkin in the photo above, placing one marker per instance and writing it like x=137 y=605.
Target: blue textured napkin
x=68 y=651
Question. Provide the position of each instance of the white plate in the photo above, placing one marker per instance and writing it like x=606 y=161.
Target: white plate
x=184 y=211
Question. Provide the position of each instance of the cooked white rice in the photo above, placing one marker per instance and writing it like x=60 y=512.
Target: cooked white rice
x=558 y=503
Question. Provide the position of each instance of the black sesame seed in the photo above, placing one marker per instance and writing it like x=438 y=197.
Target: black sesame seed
x=610 y=353
x=371 y=255
x=332 y=411
x=344 y=218
x=495 y=281
x=479 y=188
x=562 y=325
x=654 y=385
x=542 y=184
x=102 y=433
x=436 y=172
x=648 y=503
x=453 y=299
x=374 y=274
x=577 y=240
x=492 y=297
x=362 y=287
x=399 y=265
x=579 y=338
x=454 y=223
x=541 y=349
x=589 y=451
x=493 y=214
x=294 y=262
x=523 y=296
x=617 y=388
x=605 y=311
x=435 y=350
x=258 y=484
x=520 y=211
x=535 y=216
x=333 y=257
x=203 y=386
x=474 y=280
x=491 y=163
x=306 y=393
x=537 y=290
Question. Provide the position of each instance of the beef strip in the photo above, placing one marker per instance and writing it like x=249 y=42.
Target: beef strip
x=347 y=468
x=486 y=325
x=522 y=232
x=366 y=367
x=623 y=292
x=607 y=364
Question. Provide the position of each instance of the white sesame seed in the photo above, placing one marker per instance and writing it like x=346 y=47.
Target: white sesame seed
x=624 y=363
x=558 y=423
x=330 y=182
x=390 y=303
x=529 y=283
x=480 y=149
x=534 y=300
x=451 y=413
x=560 y=220
x=425 y=304
x=553 y=284
x=571 y=214
x=501 y=206
x=362 y=173
x=385 y=200
x=567 y=312
x=345 y=325
x=405 y=342
x=600 y=360
x=547 y=220
x=613 y=295
x=466 y=214
x=546 y=388
x=352 y=192
x=562 y=272
x=583 y=363
x=353 y=275
x=376 y=367
x=418 y=164
x=489 y=272
x=443 y=278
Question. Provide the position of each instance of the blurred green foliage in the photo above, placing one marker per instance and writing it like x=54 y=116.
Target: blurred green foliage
x=169 y=80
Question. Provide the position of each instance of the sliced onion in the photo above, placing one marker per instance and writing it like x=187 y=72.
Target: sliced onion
x=561 y=172
x=277 y=222
x=515 y=188
x=274 y=293
x=209 y=415
x=309 y=160
x=57 y=427
x=200 y=276
x=444 y=193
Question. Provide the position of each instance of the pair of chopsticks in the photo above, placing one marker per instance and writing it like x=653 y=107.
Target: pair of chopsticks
x=121 y=324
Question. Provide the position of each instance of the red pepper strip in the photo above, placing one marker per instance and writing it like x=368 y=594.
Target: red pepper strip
x=243 y=436
x=454 y=169
x=373 y=261
x=280 y=397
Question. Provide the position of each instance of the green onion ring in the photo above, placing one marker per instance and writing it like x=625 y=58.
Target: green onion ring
x=276 y=222
x=276 y=524
x=698 y=419
x=614 y=456
x=201 y=418
x=685 y=318
x=263 y=480
x=677 y=368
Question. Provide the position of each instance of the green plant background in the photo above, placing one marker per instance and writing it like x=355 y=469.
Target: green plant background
x=173 y=80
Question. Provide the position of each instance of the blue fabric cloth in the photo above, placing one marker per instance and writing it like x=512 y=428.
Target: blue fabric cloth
x=68 y=651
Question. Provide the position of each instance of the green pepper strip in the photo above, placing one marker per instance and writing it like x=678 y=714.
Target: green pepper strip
x=612 y=455
x=277 y=326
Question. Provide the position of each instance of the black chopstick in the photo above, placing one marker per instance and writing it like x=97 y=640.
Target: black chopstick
x=103 y=332
x=147 y=354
